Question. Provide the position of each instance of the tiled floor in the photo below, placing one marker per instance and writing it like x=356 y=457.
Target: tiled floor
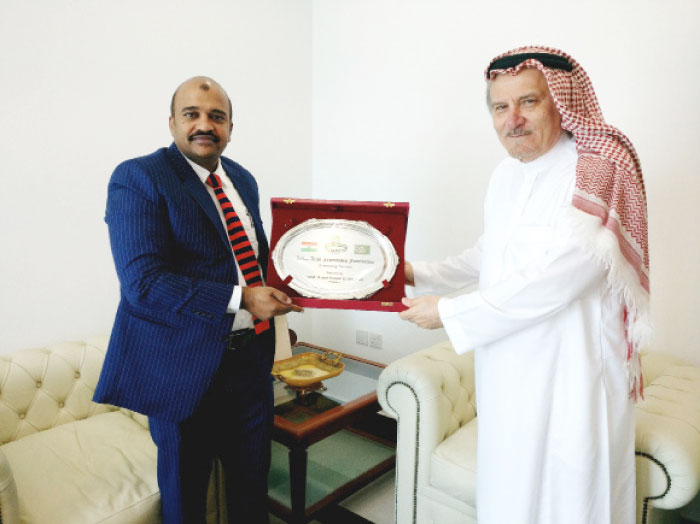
x=374 y=502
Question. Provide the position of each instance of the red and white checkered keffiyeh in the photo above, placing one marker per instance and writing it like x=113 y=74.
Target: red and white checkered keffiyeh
x=609 y=204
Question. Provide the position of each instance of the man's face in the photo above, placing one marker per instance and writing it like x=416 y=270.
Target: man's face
x=201 y=124
x=524 y=115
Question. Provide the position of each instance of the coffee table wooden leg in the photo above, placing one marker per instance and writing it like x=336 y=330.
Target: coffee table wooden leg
x=297 y=478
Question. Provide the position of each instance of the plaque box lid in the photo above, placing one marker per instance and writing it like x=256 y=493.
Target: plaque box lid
x=390 y=218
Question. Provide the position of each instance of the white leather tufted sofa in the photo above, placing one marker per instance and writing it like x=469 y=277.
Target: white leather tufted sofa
x=65 y=459
x=431 y=394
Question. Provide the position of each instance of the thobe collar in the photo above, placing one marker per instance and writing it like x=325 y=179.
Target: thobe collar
x=557 y=153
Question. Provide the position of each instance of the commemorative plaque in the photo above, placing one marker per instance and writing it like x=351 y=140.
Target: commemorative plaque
x=335 y=258
x=339 y=254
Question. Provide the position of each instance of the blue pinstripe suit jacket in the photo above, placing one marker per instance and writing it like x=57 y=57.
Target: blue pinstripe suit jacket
x=176 y=273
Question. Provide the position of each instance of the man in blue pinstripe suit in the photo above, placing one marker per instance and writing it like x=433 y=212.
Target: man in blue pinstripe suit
x=182 y=349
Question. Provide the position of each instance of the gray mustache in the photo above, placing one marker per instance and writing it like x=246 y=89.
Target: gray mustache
x=518 y=132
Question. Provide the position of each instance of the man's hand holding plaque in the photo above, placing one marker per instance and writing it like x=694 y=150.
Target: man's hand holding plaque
x=267 y=302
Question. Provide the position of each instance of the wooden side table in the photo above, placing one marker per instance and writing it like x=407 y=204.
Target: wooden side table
x=320 y=427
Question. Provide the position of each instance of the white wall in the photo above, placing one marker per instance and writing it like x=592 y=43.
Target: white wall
x=383 y=98
x=87 y=84
x=399 y=114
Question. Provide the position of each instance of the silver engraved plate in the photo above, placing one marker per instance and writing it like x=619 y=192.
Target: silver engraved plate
x=335 y=259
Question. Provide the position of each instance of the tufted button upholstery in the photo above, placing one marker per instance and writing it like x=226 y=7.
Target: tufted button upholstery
x=431 y=394
x=49 y=387
x=65 y=459
x=668 y=434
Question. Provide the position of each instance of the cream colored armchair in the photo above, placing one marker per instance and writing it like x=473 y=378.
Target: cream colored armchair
x=67 y=460
x=431 y=394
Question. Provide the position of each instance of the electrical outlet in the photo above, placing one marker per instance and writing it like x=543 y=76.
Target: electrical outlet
x=375 y=340
x=361 y=337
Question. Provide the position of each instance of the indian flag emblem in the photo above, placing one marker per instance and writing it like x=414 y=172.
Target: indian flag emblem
x=309 y=247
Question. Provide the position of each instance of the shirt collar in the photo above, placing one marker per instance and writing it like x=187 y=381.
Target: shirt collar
x=204 y=173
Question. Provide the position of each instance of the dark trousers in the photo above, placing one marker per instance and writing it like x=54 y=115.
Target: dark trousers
x=232 y=422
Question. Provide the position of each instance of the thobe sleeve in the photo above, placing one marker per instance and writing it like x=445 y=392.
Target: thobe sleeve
x=520 y=300
x=453 y=273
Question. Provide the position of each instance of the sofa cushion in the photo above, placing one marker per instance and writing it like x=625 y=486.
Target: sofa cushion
x=453 y=464
x=100 y=469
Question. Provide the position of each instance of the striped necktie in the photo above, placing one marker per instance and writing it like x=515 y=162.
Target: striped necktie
x=242 y=249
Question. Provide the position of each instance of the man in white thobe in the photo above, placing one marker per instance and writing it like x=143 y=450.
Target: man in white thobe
x=548 y=322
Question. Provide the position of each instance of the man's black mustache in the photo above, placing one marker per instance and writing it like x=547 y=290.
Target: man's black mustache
x=203 y=133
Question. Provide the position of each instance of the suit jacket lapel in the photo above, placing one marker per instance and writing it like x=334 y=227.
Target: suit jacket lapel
x=196 y=189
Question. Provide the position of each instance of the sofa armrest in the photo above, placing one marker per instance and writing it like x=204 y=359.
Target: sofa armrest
x=668 y=440
x=136 y=417
x=431 y=394
x=9 y=503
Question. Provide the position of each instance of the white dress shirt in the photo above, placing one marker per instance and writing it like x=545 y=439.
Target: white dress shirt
x=243 y=318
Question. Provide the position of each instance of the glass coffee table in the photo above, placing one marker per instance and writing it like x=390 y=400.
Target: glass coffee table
x=319 y=453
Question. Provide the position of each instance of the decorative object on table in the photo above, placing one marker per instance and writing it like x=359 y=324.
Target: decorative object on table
x=305 y=372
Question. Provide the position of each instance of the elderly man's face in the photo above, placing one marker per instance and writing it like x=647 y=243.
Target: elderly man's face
x=201 y=123
x=524 y=115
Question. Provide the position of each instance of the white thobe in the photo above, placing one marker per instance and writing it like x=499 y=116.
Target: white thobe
x=556 y=426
